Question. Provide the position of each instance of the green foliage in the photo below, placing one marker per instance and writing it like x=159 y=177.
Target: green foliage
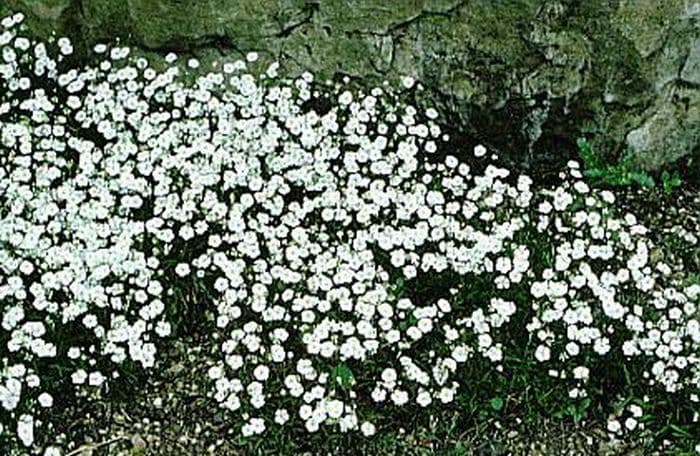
x=576 y=410
x=622 y=173
x=398 y=289
x=670 y=182
x=590 y=159
x=343 y=376
x=497 y=403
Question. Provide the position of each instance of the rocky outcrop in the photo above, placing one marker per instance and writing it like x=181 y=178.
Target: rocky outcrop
x=527 y=77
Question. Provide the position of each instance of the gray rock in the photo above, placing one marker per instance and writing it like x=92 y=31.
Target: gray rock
x=691 y=69
x=672 y=129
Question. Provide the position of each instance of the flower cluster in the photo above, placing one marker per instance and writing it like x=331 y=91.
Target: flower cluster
x=603 y=295
x=313 y=237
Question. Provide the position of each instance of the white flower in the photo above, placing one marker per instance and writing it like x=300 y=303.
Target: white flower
x=389 y=375
x=408 y=81
x=25 y=429
x=215 y=372
x=79 y=377
x=261 y=372
x=334 y=408
x=281 y=416
x=182 y=269
x=368 y=429
x=10 y=393
x=423 y=398
x=542 y=353
x=96 y=379
x=399 y=397
x=636 y=410
x=601 y=346
x=446 y=395
x=581 y=187
x=253 y=426
x=581 y=373
x=614 y=426
x=45 y=400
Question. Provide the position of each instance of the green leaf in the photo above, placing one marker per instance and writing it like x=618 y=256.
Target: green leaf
x=594 y=172
x=679 y=430
x=627 y=157
x=460 y=449
x=670 y=181
x=497 y=403
x=642 y=179
x=580 y=410
x=343 y=376
x=398 y=288
x=615 y=175
x=589 y=157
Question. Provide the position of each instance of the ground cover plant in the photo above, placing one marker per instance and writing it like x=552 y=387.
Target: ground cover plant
x=344 y=272
x=624 y=172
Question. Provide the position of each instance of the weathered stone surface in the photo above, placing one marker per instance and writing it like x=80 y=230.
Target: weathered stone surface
x=527 y=76
x=691 y=69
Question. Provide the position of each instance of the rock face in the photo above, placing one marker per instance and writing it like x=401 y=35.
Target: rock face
x=527 y=76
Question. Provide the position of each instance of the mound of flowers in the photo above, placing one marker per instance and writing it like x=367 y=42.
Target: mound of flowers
x=345 y=261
